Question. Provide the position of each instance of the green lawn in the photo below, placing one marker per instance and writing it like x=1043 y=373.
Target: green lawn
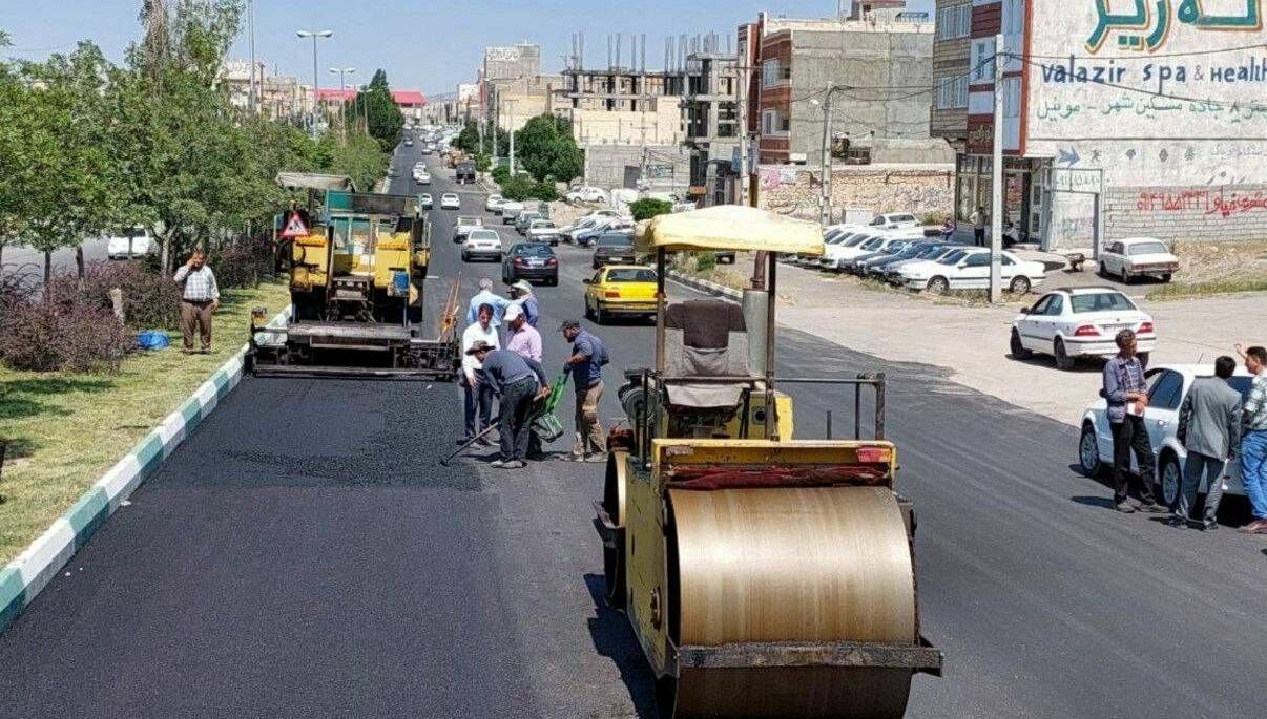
x=64 y=430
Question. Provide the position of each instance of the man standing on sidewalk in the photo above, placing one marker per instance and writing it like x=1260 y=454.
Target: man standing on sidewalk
x=477 y=396
x=586 y=364
x=1127 y=396
x=1254 y=443
x=201 y=297
x=1209 y=428
x=978 y=227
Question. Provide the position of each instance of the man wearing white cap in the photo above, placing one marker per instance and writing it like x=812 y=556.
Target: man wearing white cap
x=521 y=294
x=521 y=338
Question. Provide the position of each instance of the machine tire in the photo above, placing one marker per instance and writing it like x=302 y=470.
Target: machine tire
x=589 y=314
x=1169 y=479
x=1103 y=271
x=614 y=577
x=1089 y=452
x=1063 y=360
x=466 y=257
x=1018 y=348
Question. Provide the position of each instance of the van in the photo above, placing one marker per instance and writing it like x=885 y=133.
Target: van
x=131 y=243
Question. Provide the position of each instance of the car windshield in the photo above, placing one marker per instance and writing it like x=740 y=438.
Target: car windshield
x=542 y=223
x=1147 y=248
x=534 y=249
x=872 y=243
x=953 y=258
x=615 y=241
x=1101 y=302
x=484 y=235
x=855 y=240
x=903 y=218
x=631 y=275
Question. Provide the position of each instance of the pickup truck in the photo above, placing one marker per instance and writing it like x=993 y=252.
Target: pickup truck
x=464 y=225
x=131 y=243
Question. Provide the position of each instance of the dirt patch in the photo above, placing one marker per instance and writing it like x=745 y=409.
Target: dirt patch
x=1210 y=261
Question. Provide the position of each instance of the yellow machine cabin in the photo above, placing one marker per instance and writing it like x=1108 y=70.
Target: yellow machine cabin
x=763 y=576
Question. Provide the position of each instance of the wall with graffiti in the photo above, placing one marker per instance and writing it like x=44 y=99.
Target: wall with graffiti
x=795 y=190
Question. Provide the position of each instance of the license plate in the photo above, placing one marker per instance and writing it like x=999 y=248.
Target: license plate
x=1118 y=327
x=534 y=263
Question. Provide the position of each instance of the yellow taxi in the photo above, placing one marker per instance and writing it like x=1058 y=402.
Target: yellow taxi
x=620 y=290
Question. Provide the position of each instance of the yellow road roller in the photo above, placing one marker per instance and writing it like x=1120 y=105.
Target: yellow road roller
x=765 y=577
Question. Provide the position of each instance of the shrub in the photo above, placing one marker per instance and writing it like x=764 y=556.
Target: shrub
x=546 y=191
x=501 y=173
x=518 y=188
x=705 y=261
x=150 y=301
x=64 y=328
x=243 y=264
x=649 y=207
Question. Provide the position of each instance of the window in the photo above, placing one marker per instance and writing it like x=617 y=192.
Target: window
x=1102 y=302
x=1012 y=97
x=1147 y=248
x=1166 y=392
x=980 y=259
x=773 y=72
x=952 y=92
x=954 y=22
x=981 y=61
x=774 y=122
x=1056 y=307
x=767 y=122
x=631 y=275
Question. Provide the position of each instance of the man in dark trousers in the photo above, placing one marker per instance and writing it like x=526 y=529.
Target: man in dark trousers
x=1127 y=396
x=1209 y=428
x=519 y=382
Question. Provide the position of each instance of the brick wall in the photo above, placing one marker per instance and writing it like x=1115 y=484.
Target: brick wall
x=1235 y=212
x=795 y=191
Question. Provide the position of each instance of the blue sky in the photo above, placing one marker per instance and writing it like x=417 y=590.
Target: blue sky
x=429 y=46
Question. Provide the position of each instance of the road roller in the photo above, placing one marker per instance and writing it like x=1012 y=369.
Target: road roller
x=764 y=576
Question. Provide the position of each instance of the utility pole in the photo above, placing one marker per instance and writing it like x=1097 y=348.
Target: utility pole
x=996 y=200
x=744 y=170
x=315 y=81
x=824 y=199
x=343 y=122
x=511 y=109
x=250 y=35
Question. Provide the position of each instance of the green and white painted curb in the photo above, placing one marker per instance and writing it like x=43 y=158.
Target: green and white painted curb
x=705 y=286
x=23 y=578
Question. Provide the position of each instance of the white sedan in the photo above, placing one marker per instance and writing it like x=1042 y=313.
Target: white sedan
x=969 y=269
x=1167 y=386
x=493 y=203
x=1080 y=322
x=482 y=243
x=1138 y=257
x=450 y=201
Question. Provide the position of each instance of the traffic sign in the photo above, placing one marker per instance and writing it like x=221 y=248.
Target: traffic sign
x=295 y=227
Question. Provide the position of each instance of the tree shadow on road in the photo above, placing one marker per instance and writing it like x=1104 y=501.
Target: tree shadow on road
x=615 y=640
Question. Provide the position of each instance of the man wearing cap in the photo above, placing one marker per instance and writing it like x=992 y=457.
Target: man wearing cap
x=519 y=382
x=477 y=397
x=521 y=294
x=586 y=365
x=524 y=340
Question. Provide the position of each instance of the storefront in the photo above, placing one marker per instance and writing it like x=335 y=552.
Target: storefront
x=1023 y=198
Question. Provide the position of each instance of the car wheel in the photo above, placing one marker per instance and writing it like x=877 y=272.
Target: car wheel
x=1123 y=276
x=1063 y=360
x=589 y=314
x=1089 y=452
x=939 y=285
x=1104 y=271
x=1169 y=476
x=1165 y=277
x=466 y=257
x=1018 y=348
x=600 y=317
x=1020 y=285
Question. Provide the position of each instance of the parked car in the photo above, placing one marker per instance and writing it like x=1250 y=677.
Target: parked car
x=887 y=248
x=533 y=261
x=589 y=237
x=482 y=243
x=843 y=257
x=586 y=194
x=894 y=220
x=969 y=269
x=589 y=222
x=929 y=253
x=876 y=265
x=836 y=243
x=493 y=203
x=510 y=209
x=614 y=248
x=425 y=202
x=1080 y=322
x=543 y=230
x=620 y=290
x=524 y=220
x=1167 y=387
x=450 y=201
x=131 y=243
x=1138 y=257
x=464 y=225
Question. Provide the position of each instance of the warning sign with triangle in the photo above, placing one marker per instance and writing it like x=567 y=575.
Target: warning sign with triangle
x=295 y=227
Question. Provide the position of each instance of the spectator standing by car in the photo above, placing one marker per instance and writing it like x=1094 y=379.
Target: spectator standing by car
x=477 y=397
x=1126 y=395
x=521 y=294
x=487 y=296
x=1209 y=429
x=1254 y=440
x=586 y=365
x=978 y=227
x=199 y=299
x=518 y=382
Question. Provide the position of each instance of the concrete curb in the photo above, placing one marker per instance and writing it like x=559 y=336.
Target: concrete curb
x=23 y=578
x=708 y=288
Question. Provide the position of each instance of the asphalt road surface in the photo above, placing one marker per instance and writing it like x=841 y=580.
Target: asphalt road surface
x=304 y=555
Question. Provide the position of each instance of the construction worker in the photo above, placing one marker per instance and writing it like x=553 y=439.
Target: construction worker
x=586 y=363
x=518 y=382
x=521 y=294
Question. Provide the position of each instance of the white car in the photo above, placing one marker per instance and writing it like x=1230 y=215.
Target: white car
x=586 y=194
x=422 y=177
x=838 y=256
x=836 y=240
x=894 y=221
x=132 y=242
x=493 y=203
x=482 y=243
x=450 y=201
x=425 y=201
x=543 y=230
x=1167 y=386
x=1138 y=257
x=969 y=269
x=1080 y=322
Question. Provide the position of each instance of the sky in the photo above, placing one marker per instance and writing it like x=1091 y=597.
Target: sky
x=423 y=44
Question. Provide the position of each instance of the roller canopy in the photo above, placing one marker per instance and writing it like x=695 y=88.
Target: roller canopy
x=732 y=227
x=313 y=181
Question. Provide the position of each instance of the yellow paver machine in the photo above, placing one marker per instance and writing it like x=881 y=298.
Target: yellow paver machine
x=764 y=576
x=355 y=308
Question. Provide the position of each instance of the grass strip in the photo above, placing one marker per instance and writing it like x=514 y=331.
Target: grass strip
x=1179 y=290
x=65 y=430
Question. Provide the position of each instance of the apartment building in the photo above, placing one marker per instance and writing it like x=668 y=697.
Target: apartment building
x=710 y=123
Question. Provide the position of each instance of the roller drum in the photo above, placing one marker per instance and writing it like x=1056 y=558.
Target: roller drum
x=790 y=565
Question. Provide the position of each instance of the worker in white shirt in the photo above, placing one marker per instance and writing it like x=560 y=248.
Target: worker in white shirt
x=477 y=396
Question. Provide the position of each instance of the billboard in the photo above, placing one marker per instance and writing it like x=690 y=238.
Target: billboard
x=1146 y=71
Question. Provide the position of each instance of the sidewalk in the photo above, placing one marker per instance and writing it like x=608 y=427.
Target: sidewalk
x=971 y=343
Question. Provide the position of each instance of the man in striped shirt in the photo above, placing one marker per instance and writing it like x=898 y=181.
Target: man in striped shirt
x=1254 y=440
x=201 y=297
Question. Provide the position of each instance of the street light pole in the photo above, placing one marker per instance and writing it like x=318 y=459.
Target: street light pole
x=996 y=210
x=824 y=198
x=343 y=103
x=315 y=81
x=250 y=34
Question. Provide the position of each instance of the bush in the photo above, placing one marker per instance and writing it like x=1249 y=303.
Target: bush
x=649 y=207
x=501 y=174
x=150 y=301
x=483 y=163
x=243 y=264
x=705 y=261
x=518 y=188
x=64 y=328
x=546 y=191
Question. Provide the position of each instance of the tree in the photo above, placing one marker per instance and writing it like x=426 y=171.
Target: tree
x=545 y=148
x=375 y=103
x=649 y=207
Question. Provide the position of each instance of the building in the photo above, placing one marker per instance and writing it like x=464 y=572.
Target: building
x=710 y=123
x=621 y=106
x=513 y=103
x=1119 y=125
x=952 y=47
x=871 y=67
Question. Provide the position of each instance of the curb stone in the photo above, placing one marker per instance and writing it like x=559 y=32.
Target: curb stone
x=709 y=288
x=23 y=578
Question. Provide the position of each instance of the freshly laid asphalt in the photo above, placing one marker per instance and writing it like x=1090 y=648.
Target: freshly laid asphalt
x=303 y=554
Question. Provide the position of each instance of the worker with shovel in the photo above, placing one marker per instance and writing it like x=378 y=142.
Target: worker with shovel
x=519 y=382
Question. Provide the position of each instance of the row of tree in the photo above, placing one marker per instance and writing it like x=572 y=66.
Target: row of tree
x=87 y=146
x=544 y=147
